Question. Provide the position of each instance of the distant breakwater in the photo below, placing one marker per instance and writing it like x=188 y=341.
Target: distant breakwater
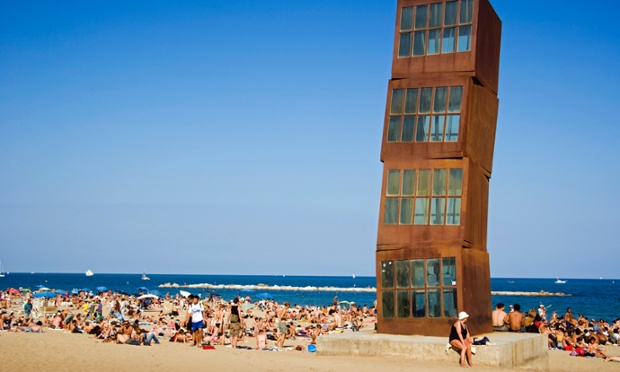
x=264 y=287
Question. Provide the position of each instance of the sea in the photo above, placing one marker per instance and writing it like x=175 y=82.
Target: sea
x=593 y=298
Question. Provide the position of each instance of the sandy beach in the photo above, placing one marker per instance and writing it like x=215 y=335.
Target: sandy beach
x=63 y=351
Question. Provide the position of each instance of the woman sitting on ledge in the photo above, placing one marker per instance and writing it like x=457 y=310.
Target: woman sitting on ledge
x=460 y=339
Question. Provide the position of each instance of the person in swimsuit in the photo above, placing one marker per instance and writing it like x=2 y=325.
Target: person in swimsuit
x=460 y=339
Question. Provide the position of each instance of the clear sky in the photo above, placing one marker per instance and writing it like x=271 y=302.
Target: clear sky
x=243 y=137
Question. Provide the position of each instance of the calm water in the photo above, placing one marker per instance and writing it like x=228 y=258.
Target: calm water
x=593 y=298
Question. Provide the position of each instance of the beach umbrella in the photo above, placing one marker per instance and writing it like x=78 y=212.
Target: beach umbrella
x=86 y=290
x=344 y=302
x=60 y=291
x=247 y=306
x=75 y=291
x=184 y=293
x=265 y=296
x=155 y=292
x=25 y=290
x=42 y=288
x=147 y=296
x=123 y=293
x=143 y=289
x=101 y=289
x=45 y=294
x=13 y=291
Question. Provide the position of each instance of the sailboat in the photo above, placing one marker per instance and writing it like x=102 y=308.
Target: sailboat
x=144 y=277
x=89 y=273
x=1 y=270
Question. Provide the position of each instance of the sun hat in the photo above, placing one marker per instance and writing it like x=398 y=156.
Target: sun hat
x=463 y=315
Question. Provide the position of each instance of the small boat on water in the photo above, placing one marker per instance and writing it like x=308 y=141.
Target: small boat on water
x=1 y=270
x=144 y=277
x=558 y=281
x=89 y=273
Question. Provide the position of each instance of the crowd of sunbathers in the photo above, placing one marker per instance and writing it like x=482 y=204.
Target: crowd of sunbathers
x=578 y=335
x=124 y=319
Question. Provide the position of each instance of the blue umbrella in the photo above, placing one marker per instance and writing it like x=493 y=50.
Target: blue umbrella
x=102 y=289
x=75 y=291
x=265 y=296
x=60 y=291
x=143 y=289
x=86 y=290
x=45 y=294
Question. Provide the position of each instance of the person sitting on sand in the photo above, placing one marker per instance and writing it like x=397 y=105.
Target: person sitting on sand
x=515 y=319
x=499 y=318
x=261 y=340
x=460 y=339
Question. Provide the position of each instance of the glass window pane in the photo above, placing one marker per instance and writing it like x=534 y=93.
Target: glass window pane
x=434 y=303
x=408 y=182
x=454 y=211
x=421 y=211
x=411 y=102
x=448 y=271
x=421 y=15
x=391 y=211
x=440 y=99
x=388 y=304
x=422 y=129
x=432 y=272
x=406 y=211
x=455 y=183
x=435 y=19
x=424 y=182
x=448 y=45
x=404 y=45
x=406 y=18
x=394 y=128
x=434 y=40
x=417 y=273
x=437 y=128
x=419 y=43
x=396 y=106
x=450 y=19
x=456 y=94
x=387 y=274
x=419 y=304
x=464 y=39
x=393 y=182
x=439 y=182
x=408 y=125
x=425 y=100
x=403 y=307
x=467 y=11
x=402 y=274
x=452 y=128
x=437 y=211
x=449 y=303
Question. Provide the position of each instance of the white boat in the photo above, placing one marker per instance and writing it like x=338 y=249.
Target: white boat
x=353 y=276
x=1 y=270
x=558 y=281
x=144 y=277
x=89 y=273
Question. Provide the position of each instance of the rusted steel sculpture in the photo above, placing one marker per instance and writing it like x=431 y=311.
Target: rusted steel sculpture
x=437 y=155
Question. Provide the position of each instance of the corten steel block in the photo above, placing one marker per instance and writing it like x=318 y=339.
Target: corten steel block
x=482 y=62
x=473 y=292
x=477 y=124
x=471 y=233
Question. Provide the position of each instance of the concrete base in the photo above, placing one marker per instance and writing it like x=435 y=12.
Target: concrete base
x=511 y=350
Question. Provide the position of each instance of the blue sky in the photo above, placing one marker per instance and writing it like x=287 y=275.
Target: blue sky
x=243 y=137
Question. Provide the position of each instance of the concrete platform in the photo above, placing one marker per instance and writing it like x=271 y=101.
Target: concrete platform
x=511 y=350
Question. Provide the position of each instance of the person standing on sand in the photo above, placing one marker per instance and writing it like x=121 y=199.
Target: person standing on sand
x=197 y=312
x=460 y=339
x=499 y=317
x=236 y=322
x=515 y=319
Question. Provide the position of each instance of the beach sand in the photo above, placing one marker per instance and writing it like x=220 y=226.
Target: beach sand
x=63 y=351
